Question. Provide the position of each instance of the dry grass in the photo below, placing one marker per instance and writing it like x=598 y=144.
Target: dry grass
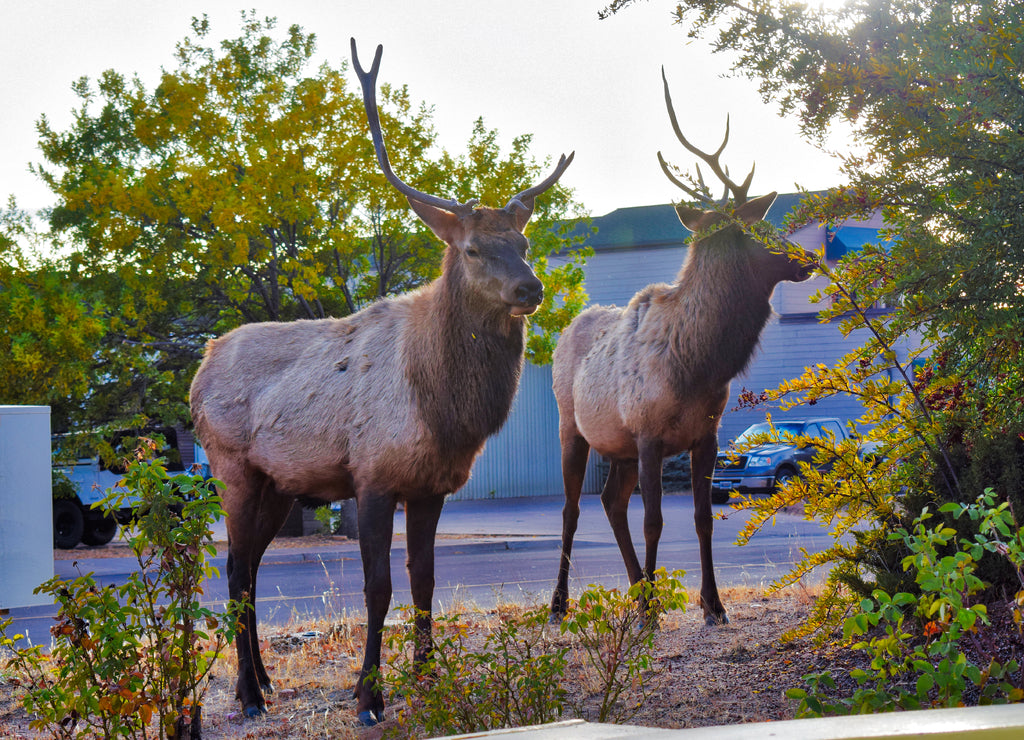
x=709 y=675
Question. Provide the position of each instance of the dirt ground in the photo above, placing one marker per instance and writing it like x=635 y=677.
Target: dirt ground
x=708 y=675
x=704 y=676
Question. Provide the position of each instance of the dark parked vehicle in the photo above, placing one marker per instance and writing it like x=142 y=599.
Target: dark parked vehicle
x=763 y=467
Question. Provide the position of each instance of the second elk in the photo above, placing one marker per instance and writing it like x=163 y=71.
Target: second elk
x=641 y=383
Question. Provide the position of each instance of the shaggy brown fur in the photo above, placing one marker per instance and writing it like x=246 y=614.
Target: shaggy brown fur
x=640 y=383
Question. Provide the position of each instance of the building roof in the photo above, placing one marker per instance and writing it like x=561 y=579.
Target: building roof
x=659 y=226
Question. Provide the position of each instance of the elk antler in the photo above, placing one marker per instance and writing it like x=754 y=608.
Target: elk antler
x=739 y=192
x=521 y=200
x=368 y=80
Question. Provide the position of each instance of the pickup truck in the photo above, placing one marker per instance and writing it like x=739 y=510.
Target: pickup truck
x=80 y=484
x=761 y=468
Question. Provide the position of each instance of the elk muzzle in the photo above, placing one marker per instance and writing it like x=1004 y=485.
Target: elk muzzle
x=525 y=296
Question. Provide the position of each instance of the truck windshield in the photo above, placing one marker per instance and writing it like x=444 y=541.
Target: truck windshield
x=765 y=428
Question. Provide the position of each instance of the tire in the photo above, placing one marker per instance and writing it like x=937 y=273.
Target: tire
x=720 y=495
x=68 y=523
x=783 y=475
x=99 y=529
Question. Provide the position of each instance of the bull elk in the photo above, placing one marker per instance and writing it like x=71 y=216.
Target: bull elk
x=641 y=383
x=390 y=404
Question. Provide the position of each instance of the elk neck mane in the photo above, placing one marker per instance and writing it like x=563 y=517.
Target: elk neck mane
x=462 y=338
x=721 y=304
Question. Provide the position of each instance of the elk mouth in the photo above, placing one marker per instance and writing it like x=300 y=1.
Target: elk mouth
x=805 y=272
x=523 y=310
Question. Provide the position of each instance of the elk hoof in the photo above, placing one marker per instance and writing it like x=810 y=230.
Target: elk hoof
x=556 y=618
x=714 y=620
x=254 y=710
x=369 y=718
x=267 y=688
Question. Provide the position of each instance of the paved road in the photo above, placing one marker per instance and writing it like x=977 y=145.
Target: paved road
x=490 y=550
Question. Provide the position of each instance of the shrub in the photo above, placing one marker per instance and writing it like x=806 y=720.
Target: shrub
x=124 y=656
x=615 y=634
x=913 y=667
x=513 y=679
x=515 y=676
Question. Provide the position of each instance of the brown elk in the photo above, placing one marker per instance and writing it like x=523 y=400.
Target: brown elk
x=390 y=404
x=640 y=383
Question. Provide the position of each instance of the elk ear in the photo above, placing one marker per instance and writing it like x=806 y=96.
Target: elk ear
x=522 y=211
x=446 y=225
x=754 y=210
x=696 y=219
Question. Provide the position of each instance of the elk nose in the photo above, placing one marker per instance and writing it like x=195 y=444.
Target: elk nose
x=530 y=293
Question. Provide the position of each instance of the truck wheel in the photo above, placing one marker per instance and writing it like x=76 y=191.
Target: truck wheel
x=99 y=529
x=784 y=474
x=720 y=495
x=68 y=523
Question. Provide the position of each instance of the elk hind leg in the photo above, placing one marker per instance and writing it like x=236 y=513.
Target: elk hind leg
x=251 y=527
x=622 y=478
x=650 y=487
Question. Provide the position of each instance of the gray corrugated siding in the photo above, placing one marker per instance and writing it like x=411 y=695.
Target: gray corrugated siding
x=524 y=458
x=615 y=277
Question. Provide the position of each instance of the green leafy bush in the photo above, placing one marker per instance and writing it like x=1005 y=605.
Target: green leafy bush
x=615 y=633
x=514 y=677
x=924 y=665
x=125 y=658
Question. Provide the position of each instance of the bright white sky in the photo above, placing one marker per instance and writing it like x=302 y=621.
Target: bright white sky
x=546 y=67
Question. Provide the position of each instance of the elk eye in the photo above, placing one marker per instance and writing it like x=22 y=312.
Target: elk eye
x=472 y=252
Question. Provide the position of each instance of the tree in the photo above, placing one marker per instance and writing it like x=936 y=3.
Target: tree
x=243 y=188
x=47 y=330
x=934 y=95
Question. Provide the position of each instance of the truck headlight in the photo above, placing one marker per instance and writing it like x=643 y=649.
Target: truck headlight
x=759 y=461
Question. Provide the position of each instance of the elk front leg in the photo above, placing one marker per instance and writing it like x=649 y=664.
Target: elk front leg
x=702 y=466
x=376 y=524
x=421 y=517
x=575 y=450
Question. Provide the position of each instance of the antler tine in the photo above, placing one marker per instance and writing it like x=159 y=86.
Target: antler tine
x=532 y=192
x=666 y=168
x=739 y=192
x=368 y=81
